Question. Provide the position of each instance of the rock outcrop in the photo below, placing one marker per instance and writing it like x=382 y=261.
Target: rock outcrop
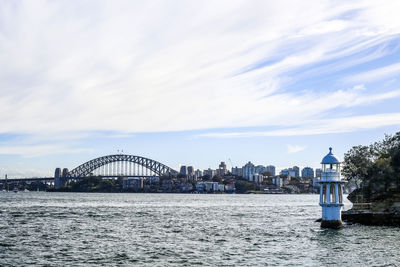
x=374 y=209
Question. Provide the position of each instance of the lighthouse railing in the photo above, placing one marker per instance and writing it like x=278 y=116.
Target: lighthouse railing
x=330 y=176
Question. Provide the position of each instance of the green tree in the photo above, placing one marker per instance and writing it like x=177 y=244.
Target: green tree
x=217 y=178
x=206 y=177
x=357 y=162
x=374 y=169
x=244 y=186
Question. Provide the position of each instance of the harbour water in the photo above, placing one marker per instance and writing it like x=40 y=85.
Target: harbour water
x=79 y=229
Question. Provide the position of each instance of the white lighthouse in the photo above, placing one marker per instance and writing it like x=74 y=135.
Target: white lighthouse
x=331 y=192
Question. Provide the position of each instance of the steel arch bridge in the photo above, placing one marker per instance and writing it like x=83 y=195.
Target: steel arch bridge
x=125 y=162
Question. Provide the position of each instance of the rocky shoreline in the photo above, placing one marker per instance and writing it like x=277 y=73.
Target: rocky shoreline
x=379 y=212
x=372 y=218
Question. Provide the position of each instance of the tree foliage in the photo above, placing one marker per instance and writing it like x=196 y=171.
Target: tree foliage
x=94 y=184
x=374 y=169
x=217 y=178
x=243 y=186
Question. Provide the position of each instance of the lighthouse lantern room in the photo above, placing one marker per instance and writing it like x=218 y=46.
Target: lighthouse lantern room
x=331 y=192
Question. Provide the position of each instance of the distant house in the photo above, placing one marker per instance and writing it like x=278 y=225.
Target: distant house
x=230 y=187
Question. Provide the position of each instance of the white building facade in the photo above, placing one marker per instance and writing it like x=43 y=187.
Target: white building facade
x=248 y=170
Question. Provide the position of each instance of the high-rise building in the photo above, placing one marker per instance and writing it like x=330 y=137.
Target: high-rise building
x=190 y=171
x=237 y=171
x=222 y=165
x=284 y=172
x=222 y=169
x=289 y=172
x=258 y=178
x=259 y=169
x=248 y=170
x=278 y=181
x=307 y=172
x=183 y=170
x=296 y=171
x=209 y=172
x=270 y=169
x=198 y=173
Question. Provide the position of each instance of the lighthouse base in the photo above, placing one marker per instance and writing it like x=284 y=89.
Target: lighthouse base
x=333 y=224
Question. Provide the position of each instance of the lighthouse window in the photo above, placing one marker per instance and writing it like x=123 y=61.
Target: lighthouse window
x=332 y=194
x=340 y=194
x=324 y=193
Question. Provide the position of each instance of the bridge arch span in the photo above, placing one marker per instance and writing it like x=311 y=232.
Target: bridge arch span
x=88 y=167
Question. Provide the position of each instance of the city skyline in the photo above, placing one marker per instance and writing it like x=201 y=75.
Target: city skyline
x=194 y=83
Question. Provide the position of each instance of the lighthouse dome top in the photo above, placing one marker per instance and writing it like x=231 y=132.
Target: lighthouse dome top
x=330 y=158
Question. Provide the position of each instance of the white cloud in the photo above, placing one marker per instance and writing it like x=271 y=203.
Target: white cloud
x=38 y=150
x=295 y=148
x=326 y=126
x=131 y=66
x=24 y=172
x=375 y=74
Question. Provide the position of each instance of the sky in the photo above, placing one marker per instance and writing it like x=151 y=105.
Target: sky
x=194 y=82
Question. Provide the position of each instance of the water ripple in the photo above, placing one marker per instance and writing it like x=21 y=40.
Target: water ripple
x=68 y=229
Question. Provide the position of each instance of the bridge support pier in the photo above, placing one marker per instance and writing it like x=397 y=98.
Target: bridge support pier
x=60 y=179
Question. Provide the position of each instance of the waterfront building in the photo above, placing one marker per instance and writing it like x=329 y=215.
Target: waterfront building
x=248 y=170
x=331 y=192
x=200 y=186
x=215 y=186
x=208 y=186
x=307 y=172
x=318 y=173
x=230 y=187
x=185 y=187
x=270 y=169
x=237 y=171
x=257 y=177
x=277 y=181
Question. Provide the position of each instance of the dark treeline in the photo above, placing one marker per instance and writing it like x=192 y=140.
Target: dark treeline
x=93 y=184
